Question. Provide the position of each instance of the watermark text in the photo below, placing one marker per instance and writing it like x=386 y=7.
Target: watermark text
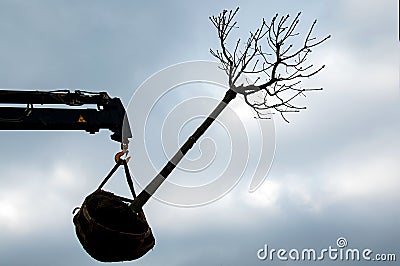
x=340 y=252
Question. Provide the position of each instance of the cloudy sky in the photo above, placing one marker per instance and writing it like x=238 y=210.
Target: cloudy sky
x=335 y=172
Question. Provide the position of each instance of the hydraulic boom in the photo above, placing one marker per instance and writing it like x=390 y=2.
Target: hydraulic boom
x=108 y=114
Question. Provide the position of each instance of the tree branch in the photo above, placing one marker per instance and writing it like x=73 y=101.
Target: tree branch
x=279 y=72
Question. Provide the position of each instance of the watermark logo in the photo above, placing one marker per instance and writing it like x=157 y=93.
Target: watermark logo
x=166 y=109
x=340 y=252
x=341 y=242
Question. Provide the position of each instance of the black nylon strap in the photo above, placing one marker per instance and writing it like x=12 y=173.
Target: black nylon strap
x=109 y=175
x=129 y=178
x=127 y=175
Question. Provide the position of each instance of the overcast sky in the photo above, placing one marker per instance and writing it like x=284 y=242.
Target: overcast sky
x=336 y=170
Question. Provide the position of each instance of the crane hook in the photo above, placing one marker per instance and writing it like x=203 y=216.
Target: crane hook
x=118 y=156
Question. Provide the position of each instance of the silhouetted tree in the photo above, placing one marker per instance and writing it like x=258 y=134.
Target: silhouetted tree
x=268 y=54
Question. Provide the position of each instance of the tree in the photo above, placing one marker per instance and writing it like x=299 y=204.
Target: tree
x=278 y=72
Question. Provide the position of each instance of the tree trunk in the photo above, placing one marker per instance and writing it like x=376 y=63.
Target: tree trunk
x=151 y=188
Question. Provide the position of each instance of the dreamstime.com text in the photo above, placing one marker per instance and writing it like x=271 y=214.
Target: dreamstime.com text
x=338 y=253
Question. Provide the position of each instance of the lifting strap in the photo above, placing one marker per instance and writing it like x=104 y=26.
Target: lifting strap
x=128 y=178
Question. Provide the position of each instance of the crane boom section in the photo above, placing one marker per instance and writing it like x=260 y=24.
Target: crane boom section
x=109 y=114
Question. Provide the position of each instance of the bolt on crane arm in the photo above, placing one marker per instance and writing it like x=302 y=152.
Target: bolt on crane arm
x=109 y=114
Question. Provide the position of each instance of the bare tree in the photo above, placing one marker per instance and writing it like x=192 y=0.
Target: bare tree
x=267 y=53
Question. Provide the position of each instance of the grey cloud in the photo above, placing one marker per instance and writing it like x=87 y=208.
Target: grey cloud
x=104 y=46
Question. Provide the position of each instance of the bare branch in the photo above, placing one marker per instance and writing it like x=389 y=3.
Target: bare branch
x=279 y=71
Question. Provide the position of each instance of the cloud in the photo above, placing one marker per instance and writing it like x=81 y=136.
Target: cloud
x=368 y=10
x=335 y=172
x=42 y=201
x=363 y=170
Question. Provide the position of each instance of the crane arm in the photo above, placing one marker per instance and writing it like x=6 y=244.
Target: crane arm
x=108 y=114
